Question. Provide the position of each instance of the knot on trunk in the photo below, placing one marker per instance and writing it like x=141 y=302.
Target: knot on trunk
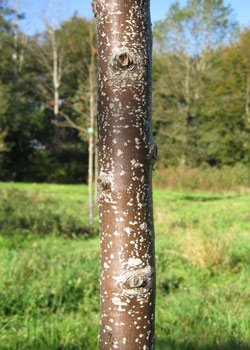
x=104 y=188
x=135 y=282
x=123 y=60
x=104 y=184
x=98 y=8
x=152 y=152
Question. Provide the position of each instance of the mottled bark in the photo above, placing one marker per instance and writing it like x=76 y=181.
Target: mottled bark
x=96 y=165
x=126 y=156
x=91 y=125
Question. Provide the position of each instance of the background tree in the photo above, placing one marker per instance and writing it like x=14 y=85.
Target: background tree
x=26 y=120
x=83 y=61
x=67 y=55
x=15 y=105
x=226 y=138
x=184 y=49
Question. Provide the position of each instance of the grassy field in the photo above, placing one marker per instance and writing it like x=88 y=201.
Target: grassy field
x=49 y=287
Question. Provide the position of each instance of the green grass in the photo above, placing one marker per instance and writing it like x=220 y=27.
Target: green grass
x=204 y=178
x=49 y=287
x=42 y=209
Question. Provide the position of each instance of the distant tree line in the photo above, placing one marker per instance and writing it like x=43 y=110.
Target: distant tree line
x=201 y=86
x=201 y=93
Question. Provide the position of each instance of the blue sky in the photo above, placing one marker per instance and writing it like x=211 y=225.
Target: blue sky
x=36 y=10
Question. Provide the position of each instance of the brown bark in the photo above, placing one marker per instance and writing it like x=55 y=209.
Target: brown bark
x=126 y=156
x=96 y=164
x=91 y=125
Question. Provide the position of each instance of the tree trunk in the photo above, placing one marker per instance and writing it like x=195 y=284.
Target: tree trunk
x=91 y=127
x=56 y=76
x=96 y=164
x=126 y=156
x=247 y=98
